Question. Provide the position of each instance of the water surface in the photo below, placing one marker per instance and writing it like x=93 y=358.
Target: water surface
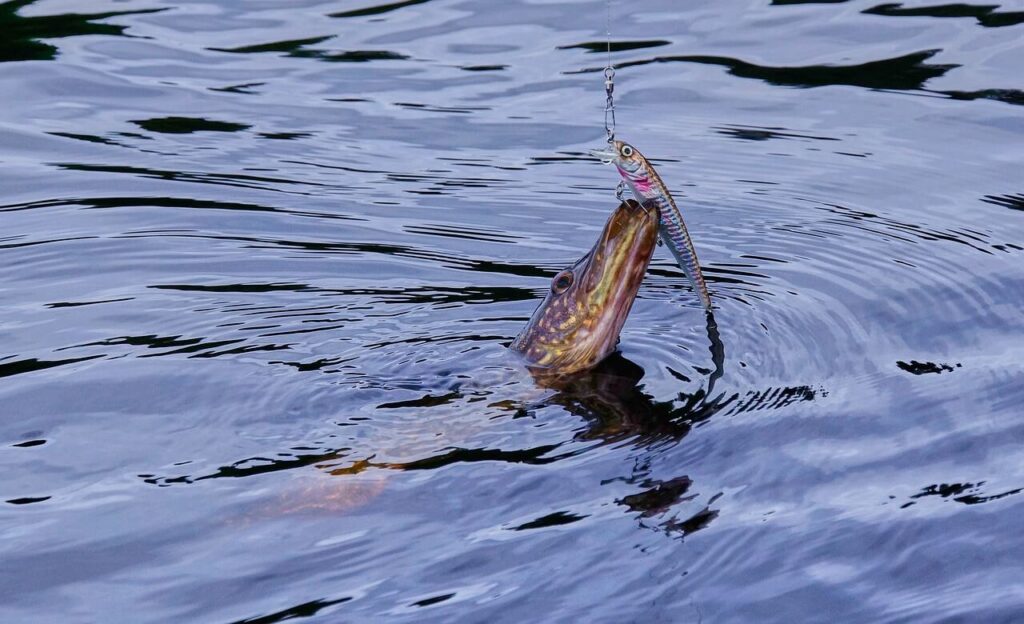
x=262 y=261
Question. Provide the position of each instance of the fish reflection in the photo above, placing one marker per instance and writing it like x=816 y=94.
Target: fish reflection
x=609 y=399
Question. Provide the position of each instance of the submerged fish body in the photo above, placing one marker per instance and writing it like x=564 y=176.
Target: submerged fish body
x=648 y=188
x=578 y=323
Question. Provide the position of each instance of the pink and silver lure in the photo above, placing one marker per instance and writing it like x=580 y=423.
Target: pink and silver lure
x=646 y=185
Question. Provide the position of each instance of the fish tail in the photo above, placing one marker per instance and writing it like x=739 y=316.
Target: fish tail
x=679 y=243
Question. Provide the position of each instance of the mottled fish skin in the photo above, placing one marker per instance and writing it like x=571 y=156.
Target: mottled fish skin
x=578 y=323
x=647 y=186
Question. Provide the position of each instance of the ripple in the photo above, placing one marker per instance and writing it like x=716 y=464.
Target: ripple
x=1013 y=202
x=24 y=34
x=380 y=9
x=616 y=46
x=304 y=610
x=28 y=500
x=76 y=304
x=299 y=48
x=965 y=493
x=753 y=133
x=20 y=367
x=921 y=368
x=188 y=125
x=903 y=73
x=986 y=15
x=221 y=179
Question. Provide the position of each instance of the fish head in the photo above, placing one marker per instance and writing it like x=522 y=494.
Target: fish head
x=578 y=323
x=632 y=166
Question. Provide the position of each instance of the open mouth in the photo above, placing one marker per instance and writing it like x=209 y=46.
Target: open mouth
x=607 y=155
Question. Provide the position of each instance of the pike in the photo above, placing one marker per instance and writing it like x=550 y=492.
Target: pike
x=577 y=325
x=646 y=185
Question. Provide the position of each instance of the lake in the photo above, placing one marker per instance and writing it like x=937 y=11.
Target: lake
x=262 y=260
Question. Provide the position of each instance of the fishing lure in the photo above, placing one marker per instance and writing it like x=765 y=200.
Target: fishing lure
x=646 y=185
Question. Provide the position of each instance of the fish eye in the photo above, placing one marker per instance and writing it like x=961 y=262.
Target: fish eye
x=562 y=282
x=626 y=151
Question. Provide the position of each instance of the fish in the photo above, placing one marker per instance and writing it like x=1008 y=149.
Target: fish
x=578 y=323
x=647 y=187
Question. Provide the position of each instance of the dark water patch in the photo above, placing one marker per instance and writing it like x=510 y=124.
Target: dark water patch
x=100 y=203
x=301 y=611
x=247 y=88
x=177 y=345
x=1013 y=202
x=29 y=443
x=559 y=518
x=537 y=456
x=218 y=179
x=323 y=364
x=775 y=398
x=22 y=36
x=987 y=15
x=428 y=400
x=659 y=497
x=234 y=288
x=439 y=296
x=288 y=47
x=208 y=351
x=191 y=345
x=28 y=500
x=909 y=72
x=483 y=68
x=751 y=133
x=299 y=48
x=88 y=138
x=965 y=493
x=697 y=522
x=561 y=157
x=443 y=259
x=285 y=136
x=253 y=466
x=350 y=56
x=1007 y=96
x=973 y=499
x=45 y=242
x=923 y=368
x=425 y=340
x=188 y=125
x=20 y=367
x=616 y=46
x=329 y=460
x=433 y=600
x=379 y=9
x=462 y=232
x=441 y=109
x=78 y=304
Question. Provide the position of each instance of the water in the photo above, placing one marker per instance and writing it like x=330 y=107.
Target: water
x=261 y=261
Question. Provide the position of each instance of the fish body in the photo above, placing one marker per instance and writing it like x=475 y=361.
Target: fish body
x=648 y=188
x=578 y=323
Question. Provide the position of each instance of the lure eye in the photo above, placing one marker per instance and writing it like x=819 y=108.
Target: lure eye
x=562 y=282
x=626 y=151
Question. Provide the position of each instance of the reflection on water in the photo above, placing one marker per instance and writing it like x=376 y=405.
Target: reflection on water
x=25 y=37
x=264 y=262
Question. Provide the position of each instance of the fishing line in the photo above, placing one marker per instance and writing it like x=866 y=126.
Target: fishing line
x=609 y=77
x=609 y=92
